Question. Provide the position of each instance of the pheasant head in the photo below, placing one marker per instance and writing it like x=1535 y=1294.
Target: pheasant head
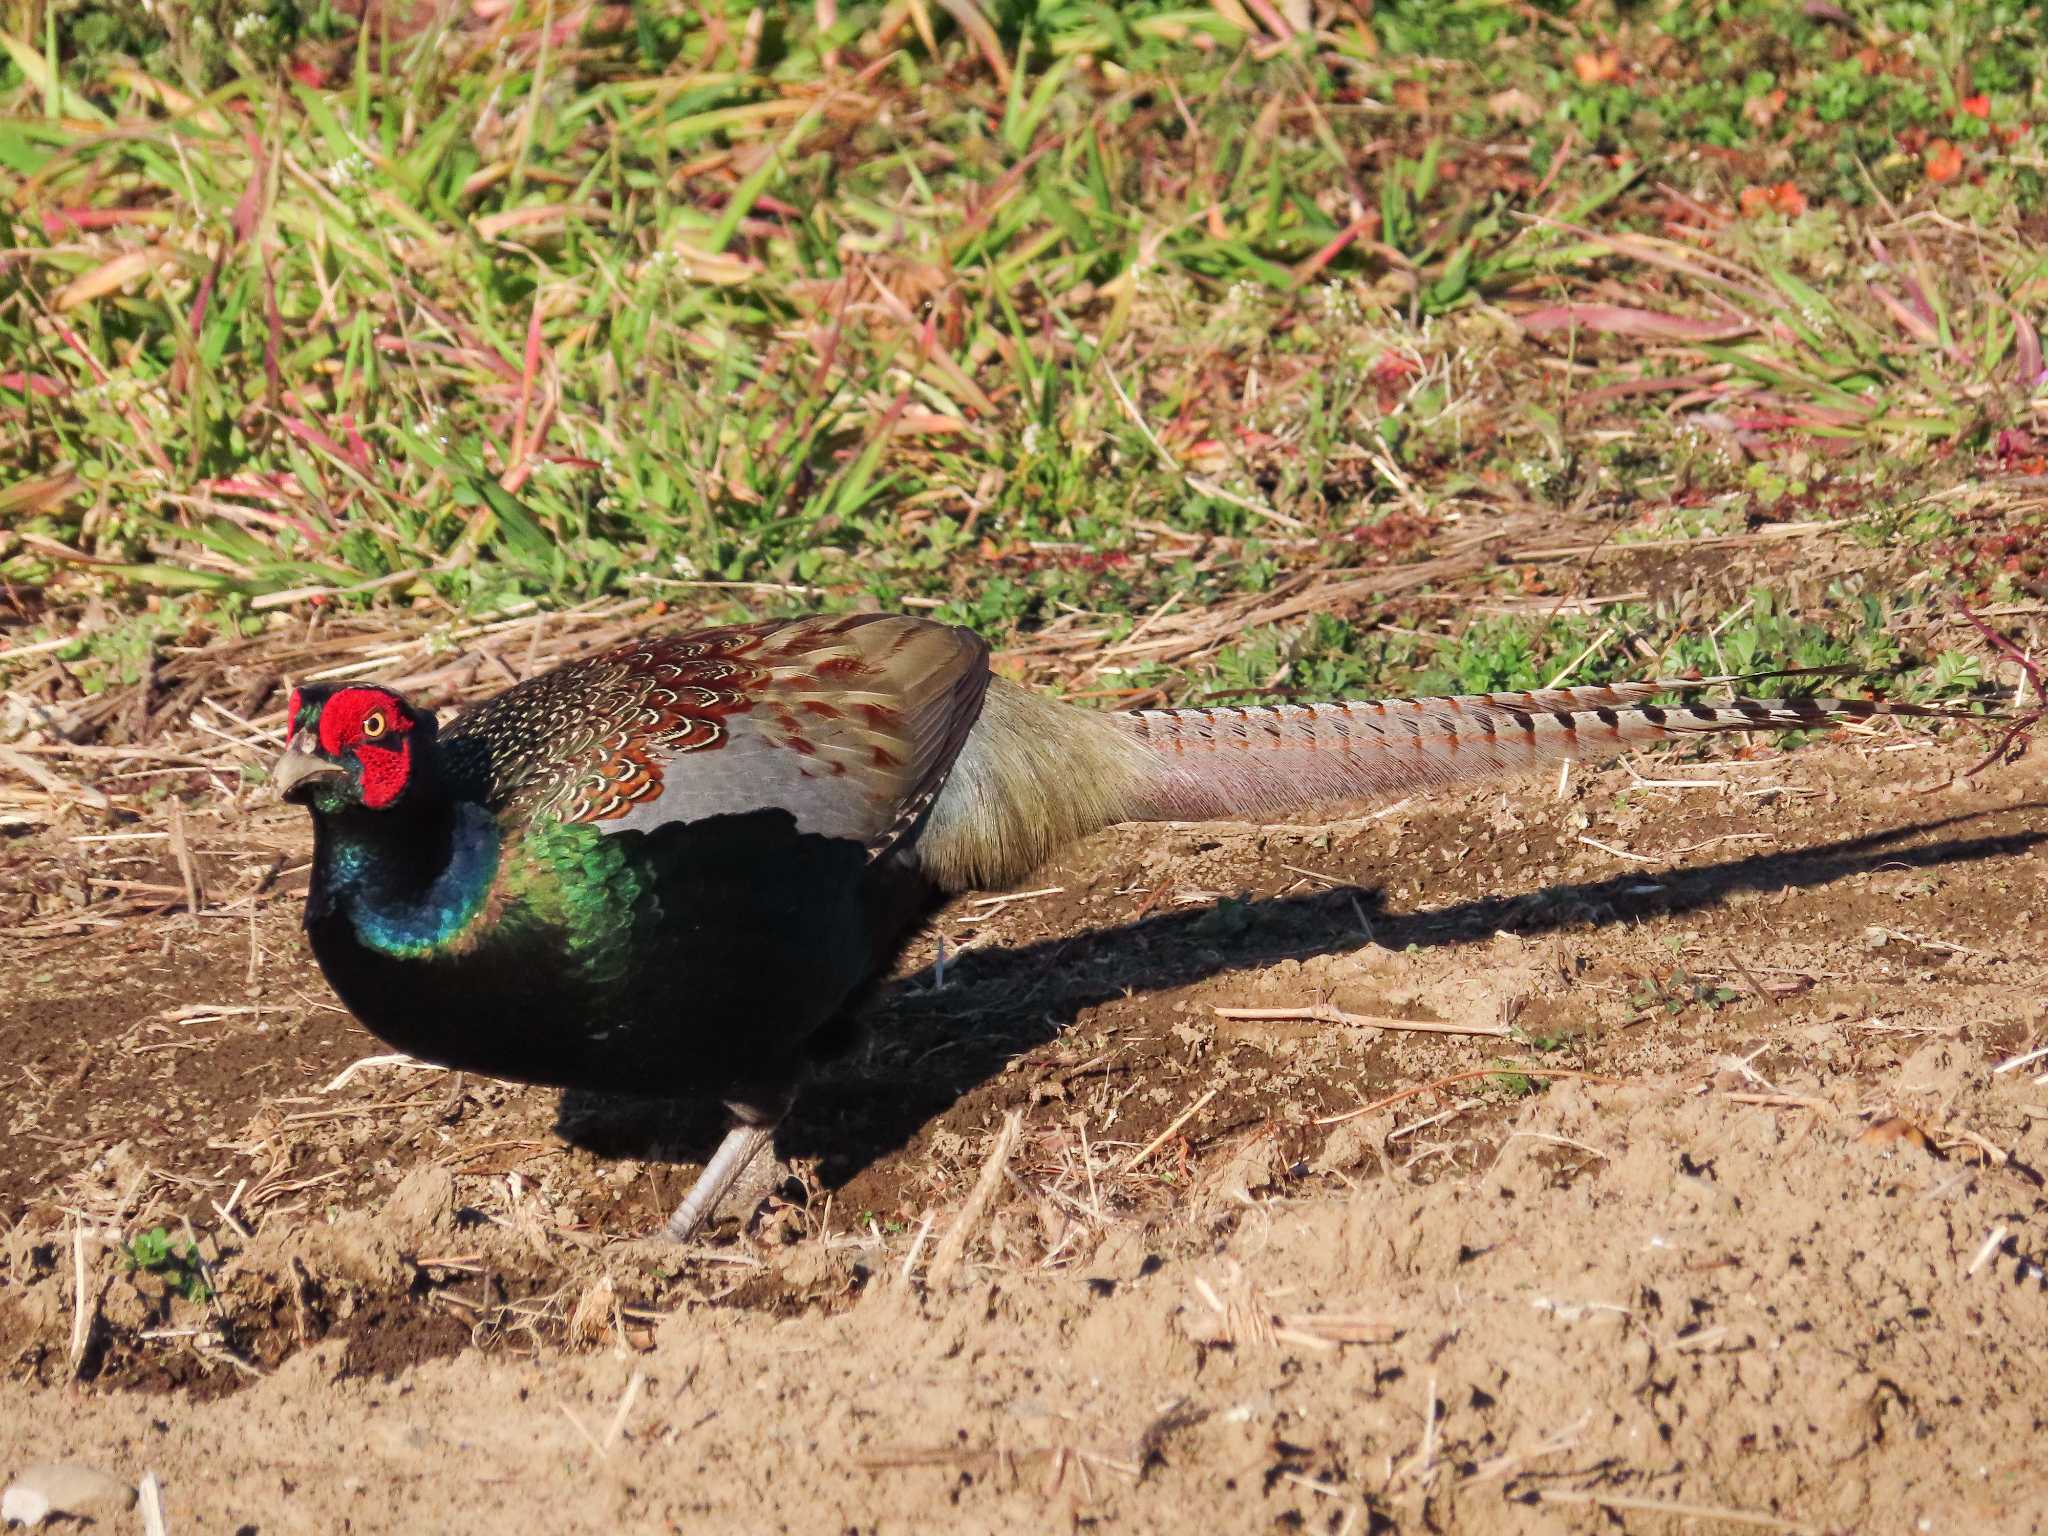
x=353 y=747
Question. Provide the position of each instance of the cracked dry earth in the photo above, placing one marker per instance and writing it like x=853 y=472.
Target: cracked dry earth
x=1723 y=1216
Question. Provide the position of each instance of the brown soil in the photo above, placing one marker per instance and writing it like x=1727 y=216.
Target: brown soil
x=1740 y=1219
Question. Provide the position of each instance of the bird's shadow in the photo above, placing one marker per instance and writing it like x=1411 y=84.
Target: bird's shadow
x=925 y=1048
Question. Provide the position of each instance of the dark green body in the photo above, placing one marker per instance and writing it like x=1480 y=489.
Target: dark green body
x=696 y=960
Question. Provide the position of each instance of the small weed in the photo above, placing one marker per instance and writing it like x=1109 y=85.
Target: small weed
x=1230 y=918
x=1512 y=1085
x=1677 y=992
x=177 y=1264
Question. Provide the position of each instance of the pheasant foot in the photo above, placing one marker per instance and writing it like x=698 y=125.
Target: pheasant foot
x=742 y=1144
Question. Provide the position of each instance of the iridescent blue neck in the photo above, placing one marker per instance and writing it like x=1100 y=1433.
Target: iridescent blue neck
x=410 y=886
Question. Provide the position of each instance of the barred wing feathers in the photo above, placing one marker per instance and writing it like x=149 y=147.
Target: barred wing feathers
x=849 y=723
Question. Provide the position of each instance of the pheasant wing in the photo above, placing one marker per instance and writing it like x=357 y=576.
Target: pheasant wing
x=848 y=723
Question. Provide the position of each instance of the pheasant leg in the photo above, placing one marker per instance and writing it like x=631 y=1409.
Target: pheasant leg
x=742 y=1144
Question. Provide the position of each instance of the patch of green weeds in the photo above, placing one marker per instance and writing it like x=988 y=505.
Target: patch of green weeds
x=1509 y=1085
x=701 y=311
x=1674 y=994
x=177 y=1264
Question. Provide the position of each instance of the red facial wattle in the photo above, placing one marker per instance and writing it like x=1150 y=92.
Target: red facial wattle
x=385 y=770
x=373 y=727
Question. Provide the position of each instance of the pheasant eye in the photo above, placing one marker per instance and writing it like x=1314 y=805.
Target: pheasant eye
x=375 y=724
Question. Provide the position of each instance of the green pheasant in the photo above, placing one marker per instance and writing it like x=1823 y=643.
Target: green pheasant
x=666 y=869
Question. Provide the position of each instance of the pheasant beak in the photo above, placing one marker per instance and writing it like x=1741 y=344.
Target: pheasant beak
x=301 y=768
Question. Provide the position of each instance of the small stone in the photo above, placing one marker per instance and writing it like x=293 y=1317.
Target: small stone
x=423 y=1204
x=22 y=1505
x=63 y=1489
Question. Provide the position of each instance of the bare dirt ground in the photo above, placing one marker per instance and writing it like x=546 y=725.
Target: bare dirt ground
x=1739 y=1228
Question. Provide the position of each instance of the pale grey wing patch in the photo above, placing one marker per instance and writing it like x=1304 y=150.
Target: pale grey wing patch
x=752 y=772
x=944 y=677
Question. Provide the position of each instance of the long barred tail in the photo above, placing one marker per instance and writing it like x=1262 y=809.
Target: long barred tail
x=1218 y=763
x=1035 y=773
